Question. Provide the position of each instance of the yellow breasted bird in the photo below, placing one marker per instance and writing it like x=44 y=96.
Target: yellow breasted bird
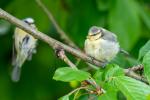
x=101 y=44
x=23 y=48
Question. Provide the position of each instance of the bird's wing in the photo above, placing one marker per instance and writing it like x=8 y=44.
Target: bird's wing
x=107 y=35
x=14 y=54
x=15 y=75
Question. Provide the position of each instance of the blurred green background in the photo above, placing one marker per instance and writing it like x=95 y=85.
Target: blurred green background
x=129 y=19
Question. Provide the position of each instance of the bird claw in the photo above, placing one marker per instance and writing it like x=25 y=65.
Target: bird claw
x=104 y=63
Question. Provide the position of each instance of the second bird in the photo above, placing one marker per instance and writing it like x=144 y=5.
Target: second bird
x=24 y=47
x=101 y=44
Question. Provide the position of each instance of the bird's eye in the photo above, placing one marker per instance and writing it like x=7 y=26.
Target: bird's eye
x=26 y=21
x=95 y=31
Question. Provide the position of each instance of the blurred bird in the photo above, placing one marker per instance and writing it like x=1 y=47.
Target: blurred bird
x=101 y=44
x=23 y=48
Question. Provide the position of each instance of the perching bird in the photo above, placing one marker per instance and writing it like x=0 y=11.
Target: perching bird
x=101 y=44
x=23 y=48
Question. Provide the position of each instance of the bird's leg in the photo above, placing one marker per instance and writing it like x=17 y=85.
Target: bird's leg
x=105 y=62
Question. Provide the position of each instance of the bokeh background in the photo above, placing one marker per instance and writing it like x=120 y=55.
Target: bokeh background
x=129 y=19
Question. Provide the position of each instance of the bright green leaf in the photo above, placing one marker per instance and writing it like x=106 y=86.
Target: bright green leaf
x=106 y=74
x=131 y=88
x=146 y=63
x=111 y=92
x=114 y=70
x=144 y=50
x=108 y=96
x=68 y=74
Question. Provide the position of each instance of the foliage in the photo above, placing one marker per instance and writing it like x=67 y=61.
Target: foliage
x=67 y=74
x=44 y=78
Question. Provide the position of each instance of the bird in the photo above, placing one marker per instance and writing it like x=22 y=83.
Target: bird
x=23 y=47
x=101 y=44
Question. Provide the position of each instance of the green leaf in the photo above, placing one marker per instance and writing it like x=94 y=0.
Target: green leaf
x=108 y=96
x=146 y=63
x=144 y=50
x=113 y=71
x=124 y=21
x=68 y=74
x=66 y=97
x=98 y=75
x=106 y=74
x=111 y=92
x=131 y=88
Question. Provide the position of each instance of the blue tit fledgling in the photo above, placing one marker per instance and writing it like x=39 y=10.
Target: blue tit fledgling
x=23 y=48
x=101 y=44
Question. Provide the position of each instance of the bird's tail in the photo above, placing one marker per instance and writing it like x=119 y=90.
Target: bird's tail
x=16 y=71
x=15 y=75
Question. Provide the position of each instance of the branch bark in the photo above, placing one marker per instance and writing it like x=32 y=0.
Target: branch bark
x=132 y=74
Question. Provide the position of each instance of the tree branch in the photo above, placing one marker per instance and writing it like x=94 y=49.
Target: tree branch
x=136 y=68
x=47 y=39
x=130 y=72
x=61 y=54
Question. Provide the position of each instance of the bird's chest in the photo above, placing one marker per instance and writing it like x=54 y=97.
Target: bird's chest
x=101 y=49
x=24 y=42
x=92 y=47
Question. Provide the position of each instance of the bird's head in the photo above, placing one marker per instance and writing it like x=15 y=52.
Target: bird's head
x=29 y=21
x=94 y=33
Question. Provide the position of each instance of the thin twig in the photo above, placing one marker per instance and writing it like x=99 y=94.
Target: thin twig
x=76 y=90
x=63 y=35
x=61 y=54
